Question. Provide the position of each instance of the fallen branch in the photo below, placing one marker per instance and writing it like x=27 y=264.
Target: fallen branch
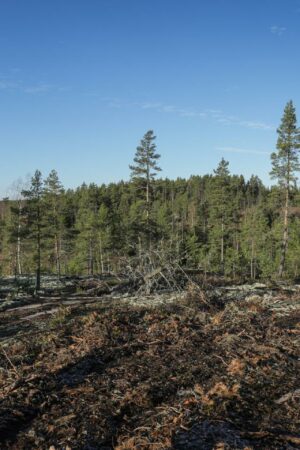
x=9 y=360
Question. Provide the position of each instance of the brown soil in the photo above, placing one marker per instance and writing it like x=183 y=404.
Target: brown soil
x=195 y=373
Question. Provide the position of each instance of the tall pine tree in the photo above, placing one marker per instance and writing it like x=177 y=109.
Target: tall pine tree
x=53 y=198
x=34 y=220
x=285 y=162
x=144 y=171
x=219 y=198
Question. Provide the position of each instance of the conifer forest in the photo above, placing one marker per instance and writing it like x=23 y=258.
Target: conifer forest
x=219 y=223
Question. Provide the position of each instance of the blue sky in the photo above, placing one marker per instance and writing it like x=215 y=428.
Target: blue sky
x=82 y=80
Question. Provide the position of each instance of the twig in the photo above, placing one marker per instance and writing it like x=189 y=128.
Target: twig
x=9 y=360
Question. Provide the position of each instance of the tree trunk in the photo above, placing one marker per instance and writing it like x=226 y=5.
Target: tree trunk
x=222 y=246
x=147 y=199
x=91 y=258
x=38 y=261
x=19 y=267
x=285 y=233
x=148 y=231
x=57 y=255
x=101 y=254
x=173 y=218
x=140 y=246
x=252 y=259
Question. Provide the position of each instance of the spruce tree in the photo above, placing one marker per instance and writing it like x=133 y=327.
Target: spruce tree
x=285 y=162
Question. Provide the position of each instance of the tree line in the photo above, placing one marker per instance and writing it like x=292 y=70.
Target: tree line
x=219 y=223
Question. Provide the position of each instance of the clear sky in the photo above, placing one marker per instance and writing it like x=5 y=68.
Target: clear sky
x=82 y=80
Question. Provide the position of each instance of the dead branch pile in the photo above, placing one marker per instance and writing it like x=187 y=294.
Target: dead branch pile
x=156 y=271
x=180 y=377
x=151 y=272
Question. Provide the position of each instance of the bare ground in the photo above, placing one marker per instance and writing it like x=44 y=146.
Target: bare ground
x=198 y=370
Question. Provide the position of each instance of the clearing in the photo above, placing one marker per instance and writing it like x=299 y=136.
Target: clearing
x=216 y=368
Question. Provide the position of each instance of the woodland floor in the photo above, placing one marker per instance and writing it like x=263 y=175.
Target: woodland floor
x=213 y=369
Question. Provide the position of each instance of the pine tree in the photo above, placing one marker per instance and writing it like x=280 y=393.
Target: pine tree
x=253 y=243
x=285 y=163
x=219 y=209
x=34 y=220
x=53 y=197
x=144 y=171
x=222 y=170
x=86 y=229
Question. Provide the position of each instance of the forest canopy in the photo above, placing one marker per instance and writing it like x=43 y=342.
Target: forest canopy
x=219 y=223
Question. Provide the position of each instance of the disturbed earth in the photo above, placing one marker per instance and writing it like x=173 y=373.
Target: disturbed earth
x=211 y=367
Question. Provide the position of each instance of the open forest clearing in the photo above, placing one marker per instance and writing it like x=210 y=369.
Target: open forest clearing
x=150 y=251
x=213 y=368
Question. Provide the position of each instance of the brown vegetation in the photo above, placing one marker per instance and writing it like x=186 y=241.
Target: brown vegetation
x=198 y=373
